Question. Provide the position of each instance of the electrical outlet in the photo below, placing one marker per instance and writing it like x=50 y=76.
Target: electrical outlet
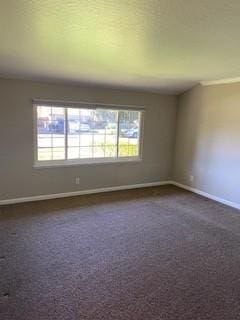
x=77 y=180
x=191 y=178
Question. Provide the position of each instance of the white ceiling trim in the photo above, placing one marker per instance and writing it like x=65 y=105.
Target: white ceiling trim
x=220 y=81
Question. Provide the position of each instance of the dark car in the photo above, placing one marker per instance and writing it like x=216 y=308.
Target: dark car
x=57 y=126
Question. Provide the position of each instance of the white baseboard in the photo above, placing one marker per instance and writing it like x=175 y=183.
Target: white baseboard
x=207 y=195
x=118 y=188
x=83 y=192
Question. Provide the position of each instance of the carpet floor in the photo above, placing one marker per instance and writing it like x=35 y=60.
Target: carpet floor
x=148 y=254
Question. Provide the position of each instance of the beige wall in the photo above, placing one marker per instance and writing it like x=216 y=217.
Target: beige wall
x=18 y=178
x=208 y=140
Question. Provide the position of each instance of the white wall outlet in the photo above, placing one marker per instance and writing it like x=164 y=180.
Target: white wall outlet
x=191 y=178
x=77 y=180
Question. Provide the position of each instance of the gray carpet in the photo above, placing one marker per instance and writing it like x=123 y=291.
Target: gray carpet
x=150 y=254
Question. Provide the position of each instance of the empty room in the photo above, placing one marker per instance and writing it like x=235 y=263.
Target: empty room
x=119 y=160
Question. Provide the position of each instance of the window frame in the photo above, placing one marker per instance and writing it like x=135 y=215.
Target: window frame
x=85 y=161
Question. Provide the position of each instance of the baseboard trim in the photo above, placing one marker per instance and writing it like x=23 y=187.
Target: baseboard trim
x=118 y=188
x=207 y=195
x=83 y=192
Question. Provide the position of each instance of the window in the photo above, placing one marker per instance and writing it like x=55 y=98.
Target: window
x=85 y=133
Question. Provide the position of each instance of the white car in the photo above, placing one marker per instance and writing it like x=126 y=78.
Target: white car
x=76 y=126
x=73 y=126
x=84 y=127
x=131 y=133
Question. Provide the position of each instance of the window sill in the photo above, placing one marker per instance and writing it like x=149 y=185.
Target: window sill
x=71 y=163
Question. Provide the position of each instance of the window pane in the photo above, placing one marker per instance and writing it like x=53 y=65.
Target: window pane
x=44 y=154
x=73 y=153
x=57 y=124
x=86 y=139
x=73 y=120
x=44 y=141
x=58 y=153
x=80 y=132
x=129 y=123
x=111 y=140
x=105 y=133
x=73 y=140
x=133 y=150
x=92 y=126
x=111 y=151
x=123 y=150
x=99 y=152
x=50 y=133
x=58 y=141
x=86 y=152
x=99 y=139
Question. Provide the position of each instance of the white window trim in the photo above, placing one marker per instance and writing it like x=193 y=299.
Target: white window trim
x=85 y=161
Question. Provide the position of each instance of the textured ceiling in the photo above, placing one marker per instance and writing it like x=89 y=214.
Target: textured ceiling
x=159 y=45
